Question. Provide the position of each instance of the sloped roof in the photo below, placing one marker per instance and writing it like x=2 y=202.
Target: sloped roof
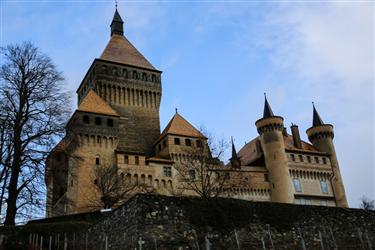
x=251 y=151
x=94 y=104
x=179 y=126
x=120 y=50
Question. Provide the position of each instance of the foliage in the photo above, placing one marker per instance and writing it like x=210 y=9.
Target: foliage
x=367 y=204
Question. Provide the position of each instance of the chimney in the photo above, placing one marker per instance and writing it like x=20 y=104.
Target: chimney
x=285 y=133
x=296 y=138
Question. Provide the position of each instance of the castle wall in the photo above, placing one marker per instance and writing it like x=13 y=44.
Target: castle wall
x=151 y=222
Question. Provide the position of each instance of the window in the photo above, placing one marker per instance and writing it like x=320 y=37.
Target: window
x=307 y=201
x=98 y=121
x=97 y=160
x=96 y=182
x=159 y=146
x=187 y=142
x=324 y=187
x=297 y=201
x=109 y=122
x=167 y=171
x=324 y=160
x=316 y=159
x=192 y=174
x=293 y=157
x=266 y=177
x=309 y=158
x=297 y=185
x=177 y=141
x=199 y=143
x=164 y=143
x=323 y=203
x=86 y=119
x=136 y=160
x=126 y=159
x=300 y=158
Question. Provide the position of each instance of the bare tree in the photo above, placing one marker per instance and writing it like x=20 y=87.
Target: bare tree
x=201 y=172
x=367 y=204
x=34 y=109
x=114 y=187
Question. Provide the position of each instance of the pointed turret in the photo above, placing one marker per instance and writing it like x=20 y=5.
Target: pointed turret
x=321 y=136
x=235 y=160
x=317 y=121
x=267 y=108
x=117 y=25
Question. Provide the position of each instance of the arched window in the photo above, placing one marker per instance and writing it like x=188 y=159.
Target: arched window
x=177 y=141
x=97 y=160
x=188 y=142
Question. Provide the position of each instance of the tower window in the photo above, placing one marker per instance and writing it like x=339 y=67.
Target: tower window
x=164 y=143
x=167 y=171
x=110 y=122
x=293 y=157
x=136 y=160
x=324 y=187
x=309 y=158
x=324 y=160
x=86 y=119
x=199 y=143
x=297 y=185
x=177 y=141
x=300 y=158
x=126 y=159
x=97 y=160
x=98 y=121
x=187 y=142
x=316 y=159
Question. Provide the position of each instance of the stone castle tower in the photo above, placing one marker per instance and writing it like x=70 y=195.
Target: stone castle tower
x=117 y=124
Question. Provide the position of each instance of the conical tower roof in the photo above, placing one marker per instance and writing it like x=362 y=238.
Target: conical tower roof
x=317 y=121
x=267 y=108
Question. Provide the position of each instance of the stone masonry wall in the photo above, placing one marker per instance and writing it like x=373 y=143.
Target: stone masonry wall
x=161 y=222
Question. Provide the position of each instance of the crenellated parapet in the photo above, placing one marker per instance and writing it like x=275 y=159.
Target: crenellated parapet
x=320 y=132
x=270 y=124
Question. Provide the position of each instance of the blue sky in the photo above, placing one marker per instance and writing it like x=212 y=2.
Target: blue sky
x=219 y=57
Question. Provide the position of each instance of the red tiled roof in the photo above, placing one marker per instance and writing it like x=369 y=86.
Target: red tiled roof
x=94 y=104
x=120 y=50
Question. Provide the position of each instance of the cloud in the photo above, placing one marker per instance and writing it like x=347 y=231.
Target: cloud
x=329 y=50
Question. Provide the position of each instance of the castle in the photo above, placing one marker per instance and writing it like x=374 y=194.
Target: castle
x=117 y=124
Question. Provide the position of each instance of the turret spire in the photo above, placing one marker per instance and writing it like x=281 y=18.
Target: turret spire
x=267 y=108
x=117 y=25
x=235 y=160
x=317 y=121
